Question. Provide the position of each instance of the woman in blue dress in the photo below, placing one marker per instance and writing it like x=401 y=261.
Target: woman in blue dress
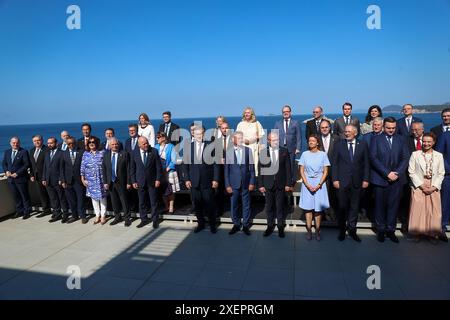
x=314 y=197
x=92 y=177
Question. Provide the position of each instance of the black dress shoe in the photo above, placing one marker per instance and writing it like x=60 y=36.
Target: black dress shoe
x=354 y=236
x=54 y=219
x=84 y=220
x=64 y=219
x=392 y=237
x=234 y=230
x=72 y=220
x=41 y=215
x=213 y=229
x=246 y=230
x=115 y=221
x=199 y=228
x=281 y=233
x=127 y=222
x=143 y=224
x=155 y=224
x=268 y=231
x=380 y=236
x=26 y=216
x=17 y=215
x=341 y=236
x=443 y=237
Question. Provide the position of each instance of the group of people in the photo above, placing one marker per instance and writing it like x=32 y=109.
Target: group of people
x=388 y=165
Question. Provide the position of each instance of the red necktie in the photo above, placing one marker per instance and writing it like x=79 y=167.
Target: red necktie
x=418 y=145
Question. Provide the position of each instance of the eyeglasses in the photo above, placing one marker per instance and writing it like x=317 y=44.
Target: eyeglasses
x=91 y=142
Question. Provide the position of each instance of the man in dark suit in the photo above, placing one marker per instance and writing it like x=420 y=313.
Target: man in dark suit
x=346 y=119
x=350 y=176
x=116 y=179
x=404 y=124
x=15 y=164
x=445 y=126
x=239 y=182
x=389 y=158
x=443 y=146
x=223 y=143
x=52 y=181
x=71 y=181
x=146 y=174
x=202 y=175
x=82 y=143
x=37 y=158
x=289 y=132
x=109 y=134
x=313 y=125
x=377 y=127
x=63 y=144
x=274 y=180
x=131 y=145
x=170 y=128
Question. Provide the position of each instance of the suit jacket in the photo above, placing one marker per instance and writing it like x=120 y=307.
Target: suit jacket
x=103 y=146
x=402 y=129
x=311 y=128
x=60 y=145
x=443 y=146
x=70 y=173
x=201 y=175
x=122 y=171
x=333 y=140
x=37 y=167
x=339 y=126
x=127 y=146
x=438 y=130
x=293 y=135
x=52 y=168
x=80 y=144
x=145 y=175
x=237 y=176
x=417 y=169
x=383 y=159
x=350 y=172
x=282 y=177
x=20 y=165
x=368 y=138
x=221 y=156
x=411 y=144
x=171 y=137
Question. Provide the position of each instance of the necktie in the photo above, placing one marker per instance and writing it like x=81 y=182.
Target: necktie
x=350 y=151
x=286 y=128
x=418 y=145
x=199 y=153
x=408 y=123
x=167 y=129
x=448 y=129
x=225 y=143
x=133 y=143
x=239 y=156
x=347 y=120
x=72 y=157
x=64 y=146
x=274 y=156
x=52 y=154
x=13 y=155
x=145 y=159
x=318 y=125
x=36 y=154
x=113 y=165
x=390 y=141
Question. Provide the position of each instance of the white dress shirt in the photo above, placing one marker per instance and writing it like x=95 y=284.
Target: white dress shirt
x=326 y=142
x=273 y=152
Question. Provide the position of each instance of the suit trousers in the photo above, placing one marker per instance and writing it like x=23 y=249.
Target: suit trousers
x=387 y=201
x=43 y=197
x=236 y=216
x=57 y=200
x=204 y=204
x=148 y=193
x=276 y=206
x=75 y=197
x=21 y=197
x=347 y=214
x=119 y=200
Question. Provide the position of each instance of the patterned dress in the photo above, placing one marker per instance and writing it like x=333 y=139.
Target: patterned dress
x=91 y=169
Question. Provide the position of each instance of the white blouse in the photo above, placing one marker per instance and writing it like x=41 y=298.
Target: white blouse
x=149 y=133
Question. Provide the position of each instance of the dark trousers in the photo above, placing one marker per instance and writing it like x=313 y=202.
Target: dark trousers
x=21 y=197
x=221 y=196
x=75 y=197
x=347 y=214
x=445 y=199
x=204 y=204
x=144 y=194
x=294 y=166
x=43 y=197
x=236 y=216
x=276 y=207
x=387 y=201
x=119 y=200
x=57 y=200
x=368 y=202
x=405 y=202
x=133 y=200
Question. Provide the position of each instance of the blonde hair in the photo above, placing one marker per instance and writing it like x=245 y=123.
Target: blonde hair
x=253 y=114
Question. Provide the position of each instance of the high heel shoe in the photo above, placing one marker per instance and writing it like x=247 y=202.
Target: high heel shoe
x=103 y=220
x=97 y=220
x=309 y=236
x=318 y=236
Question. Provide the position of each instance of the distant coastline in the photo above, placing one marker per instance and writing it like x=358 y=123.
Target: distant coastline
x=421 y=109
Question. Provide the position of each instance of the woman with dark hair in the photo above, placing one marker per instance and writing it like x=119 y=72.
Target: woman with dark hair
x=426 y=170
x=373 y=112
x=146 y=129
x=170 y=183
x=313 y=197
x=92 y=177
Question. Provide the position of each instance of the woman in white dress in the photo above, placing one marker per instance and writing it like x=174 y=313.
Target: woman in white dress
x=146 y=129
x=253 y=132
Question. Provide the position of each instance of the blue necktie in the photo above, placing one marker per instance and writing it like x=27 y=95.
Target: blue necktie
x=145 y=158
x=13 y=155
x=114 y=167
x=350 y=151
x=52 y=154
x=390 y=141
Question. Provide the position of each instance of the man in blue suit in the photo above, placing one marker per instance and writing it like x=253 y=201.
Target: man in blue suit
x=52 y=181
x=377 y=127
x=350 y=175
x=289 y=132
x=15 y=164
x=146 y=174
x=389 y=157
x=404 y=123
x=443 y=146
x=131 y=144
x=71 y=181
x=240 y=181
x=202 y=175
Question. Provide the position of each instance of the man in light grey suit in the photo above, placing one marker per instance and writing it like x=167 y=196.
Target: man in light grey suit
x=346 y=119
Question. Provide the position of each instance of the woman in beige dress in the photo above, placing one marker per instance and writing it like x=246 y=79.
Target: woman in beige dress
x=426 y=170
x=253 y=132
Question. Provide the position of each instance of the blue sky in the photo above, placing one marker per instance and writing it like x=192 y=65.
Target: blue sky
x=209 y=57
